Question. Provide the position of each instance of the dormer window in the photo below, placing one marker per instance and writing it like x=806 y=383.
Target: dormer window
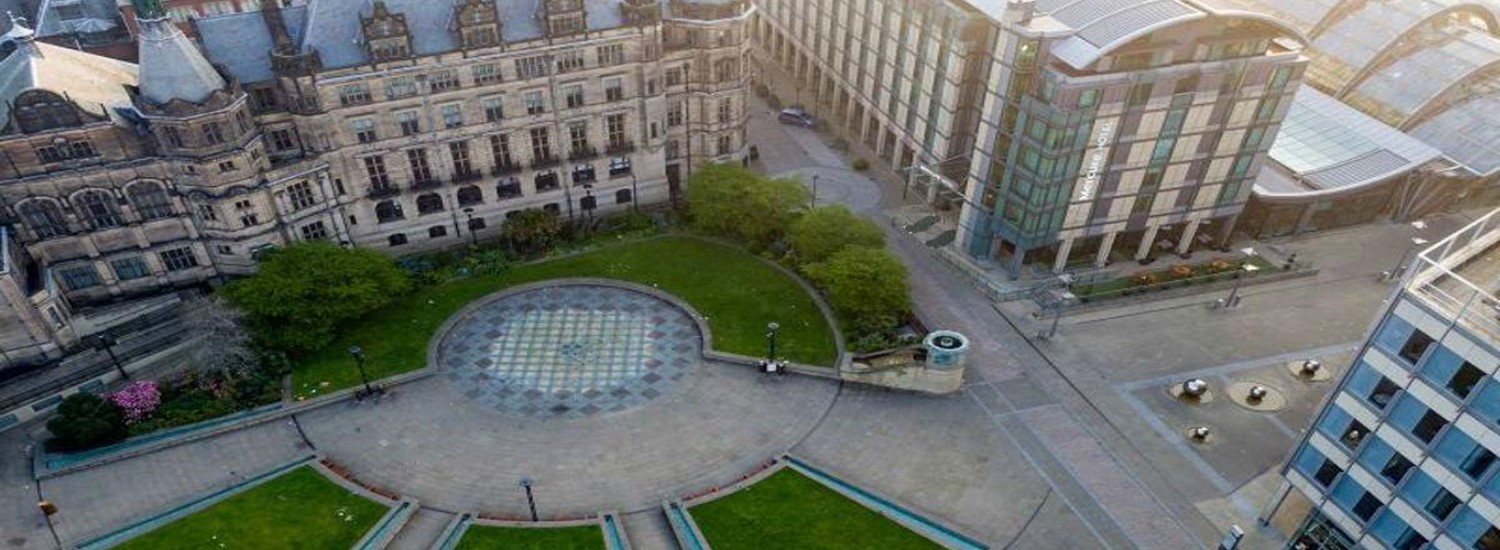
x=386 y=34
x=478 y=23
x=566 y=24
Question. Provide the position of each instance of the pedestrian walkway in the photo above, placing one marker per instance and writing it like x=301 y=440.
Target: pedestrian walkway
x=649 y=530
x=421 y=532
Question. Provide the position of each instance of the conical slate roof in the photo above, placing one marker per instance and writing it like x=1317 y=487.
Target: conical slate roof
x=172 y=67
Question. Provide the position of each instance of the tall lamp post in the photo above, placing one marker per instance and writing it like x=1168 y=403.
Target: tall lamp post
x=530 y=500
x=106 y=341
x=473 y=237
x=770 y=366
x=635 y=196
x=814 y=192
x=359 y=361
x=1233 y=300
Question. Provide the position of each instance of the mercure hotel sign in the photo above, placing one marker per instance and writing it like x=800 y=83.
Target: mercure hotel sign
x=1096 y=160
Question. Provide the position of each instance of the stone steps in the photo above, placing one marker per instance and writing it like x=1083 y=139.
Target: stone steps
x=422 y=531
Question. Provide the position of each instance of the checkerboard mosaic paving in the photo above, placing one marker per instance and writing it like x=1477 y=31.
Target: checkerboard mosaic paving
x=570 y=351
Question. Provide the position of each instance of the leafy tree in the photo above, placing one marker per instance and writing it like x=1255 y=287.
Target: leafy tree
x=865 y=286
x=825 y=230
x=85 y=421
x=219 y=327
x=301 y=293
x=532 y=231
x=728 y=200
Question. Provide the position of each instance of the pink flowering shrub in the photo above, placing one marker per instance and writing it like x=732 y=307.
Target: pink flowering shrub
x=137 y=399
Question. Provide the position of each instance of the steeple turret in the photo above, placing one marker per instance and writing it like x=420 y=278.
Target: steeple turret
x=171 y=66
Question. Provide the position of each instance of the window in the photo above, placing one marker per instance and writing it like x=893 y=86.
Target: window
x=1429 y=426
x=673 y=150
x=97 y=209
x=437 y=231
x=453 y=115
x=129 y=268
x=578 y=139
x=613 y=89
x=1384 y=391
x=79 y=278
x=314 y=231
x=479 y=37
x=573 y=96
x=1140 y=94
x=475 y=224
x=212 y=134
x=531 y=67
x=1327 y=473
x=208 y=212
x=500 y=150
x=300 y=194
x=552 y=208
x=571 y=60
x=535 y=104
x=614 y=130
x=354 y=94
x=470 y=195
x=458 y=152
x=401 y=86
x=1280 y=77
x=421 y=171
x=174 y=137
x=429 y=203
x=726 y=144
x=494 y=108
x=583 y=173
x=487 y=73
x=546 y=181
x=227 y=167
x=726 y=110
x=611 y=55
x=44 y=217
x=81 y=149
x=674 y=76
x=397 y=239
x=410 y=122
x=541 y=145
x=150 y=200
x=726 y=70
x=375 y=169
x=1478 y=462
x=619 y=166
x=1366 y=507
x=443 y=81
x=281 y=140
x=508 y=188
x=622 y=196
x=674 y=114
x=248 y=216
x=224 y=250
x=1442 y=504
x=1396 y=468
x=1462 y=383
x=1415 y=346
x=388 y=211
x=364 y=129
x=178 y=259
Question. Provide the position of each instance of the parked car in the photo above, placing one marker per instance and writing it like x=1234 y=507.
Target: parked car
x=796 y=117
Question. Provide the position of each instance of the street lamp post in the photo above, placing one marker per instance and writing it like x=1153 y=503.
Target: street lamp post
x=473 y=237
x=635 y=196
x=814 y=192
x=359 y=362
x=530 y=500
x=1246 y=269
x=106 y=342
x=769 y=366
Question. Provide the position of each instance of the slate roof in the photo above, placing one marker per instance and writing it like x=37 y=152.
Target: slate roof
x=96 y=83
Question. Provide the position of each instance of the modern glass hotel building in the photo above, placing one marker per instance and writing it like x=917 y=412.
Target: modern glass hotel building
x=1403 y=454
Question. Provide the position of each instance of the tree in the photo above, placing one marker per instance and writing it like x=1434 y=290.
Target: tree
x=219 y=328
x=85 y=421
x=532 y=231
x=865 y=286
x=301 y=293
x=825 y=230
x=728 y=200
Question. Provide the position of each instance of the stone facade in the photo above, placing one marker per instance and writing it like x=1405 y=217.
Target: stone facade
x=417 y=138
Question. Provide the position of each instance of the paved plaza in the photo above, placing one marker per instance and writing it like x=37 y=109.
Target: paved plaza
x=569 y=350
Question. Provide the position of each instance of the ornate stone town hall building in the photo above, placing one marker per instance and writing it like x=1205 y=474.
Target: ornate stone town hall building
x=396 y=124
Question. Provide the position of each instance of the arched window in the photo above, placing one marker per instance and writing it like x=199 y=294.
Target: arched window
x=44 y=217
x=469 y=195
x=97 y=208
x=622 y=196
x=429 y=203
x=388 y=211
x=150 y=200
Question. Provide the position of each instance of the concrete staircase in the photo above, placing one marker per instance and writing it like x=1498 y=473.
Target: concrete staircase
x=649 y=530
x=422 y=531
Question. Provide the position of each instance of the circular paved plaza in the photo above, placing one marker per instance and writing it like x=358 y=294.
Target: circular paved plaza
x=599 y=393
x=569 y=350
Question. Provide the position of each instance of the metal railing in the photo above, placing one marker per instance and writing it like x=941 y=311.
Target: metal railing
x=138 y=338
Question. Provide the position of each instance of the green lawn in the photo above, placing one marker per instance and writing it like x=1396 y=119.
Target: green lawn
x=484 y=537
x=788 y=510
x=299 y=509
x=736 y=291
